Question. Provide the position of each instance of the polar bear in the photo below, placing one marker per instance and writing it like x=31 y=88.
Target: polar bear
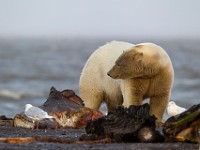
x=120 y=73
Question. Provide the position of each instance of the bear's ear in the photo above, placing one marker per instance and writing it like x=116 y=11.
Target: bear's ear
x=138 y=56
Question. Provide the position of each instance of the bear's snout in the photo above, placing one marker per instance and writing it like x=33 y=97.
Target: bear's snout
x=112 y=75
x=108 y=74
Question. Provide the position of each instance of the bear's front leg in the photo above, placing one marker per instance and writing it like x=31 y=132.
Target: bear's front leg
x=158 y=105
x=132 y=95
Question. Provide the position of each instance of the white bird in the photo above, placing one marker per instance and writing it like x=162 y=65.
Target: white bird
x=35 y=113
x=173 y=109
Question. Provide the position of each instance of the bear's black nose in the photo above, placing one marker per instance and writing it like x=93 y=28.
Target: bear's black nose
x=108 y=74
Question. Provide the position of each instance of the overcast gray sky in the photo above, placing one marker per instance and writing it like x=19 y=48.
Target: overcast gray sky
x=150 y=18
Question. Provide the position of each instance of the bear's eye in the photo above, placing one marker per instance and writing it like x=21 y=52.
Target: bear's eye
x=118 y=65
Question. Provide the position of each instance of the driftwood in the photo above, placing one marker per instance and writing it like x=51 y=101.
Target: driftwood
x=184 y=127
x=133 y=124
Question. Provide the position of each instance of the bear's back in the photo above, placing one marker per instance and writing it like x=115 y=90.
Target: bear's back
x=105 y=56
x=152 y=49
x=112 y=50
x=156 y=52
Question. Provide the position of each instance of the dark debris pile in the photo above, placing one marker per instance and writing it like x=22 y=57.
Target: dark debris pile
x=133 y=124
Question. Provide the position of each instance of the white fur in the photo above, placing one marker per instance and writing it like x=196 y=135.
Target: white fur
x=97 y=87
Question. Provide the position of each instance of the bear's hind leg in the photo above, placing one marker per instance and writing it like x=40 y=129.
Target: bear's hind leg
x=92 y=98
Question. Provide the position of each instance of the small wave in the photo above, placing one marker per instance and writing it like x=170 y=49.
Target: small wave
x=8 y=94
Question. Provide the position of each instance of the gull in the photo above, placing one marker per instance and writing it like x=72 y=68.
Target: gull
x=35 y=113
x=173 y=109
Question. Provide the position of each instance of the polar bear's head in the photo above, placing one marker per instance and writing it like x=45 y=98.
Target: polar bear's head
x=133 y=63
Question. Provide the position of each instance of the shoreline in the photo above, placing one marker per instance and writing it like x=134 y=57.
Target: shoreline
x=69 y=139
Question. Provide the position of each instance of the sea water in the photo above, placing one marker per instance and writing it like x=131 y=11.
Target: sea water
x=29 y=67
